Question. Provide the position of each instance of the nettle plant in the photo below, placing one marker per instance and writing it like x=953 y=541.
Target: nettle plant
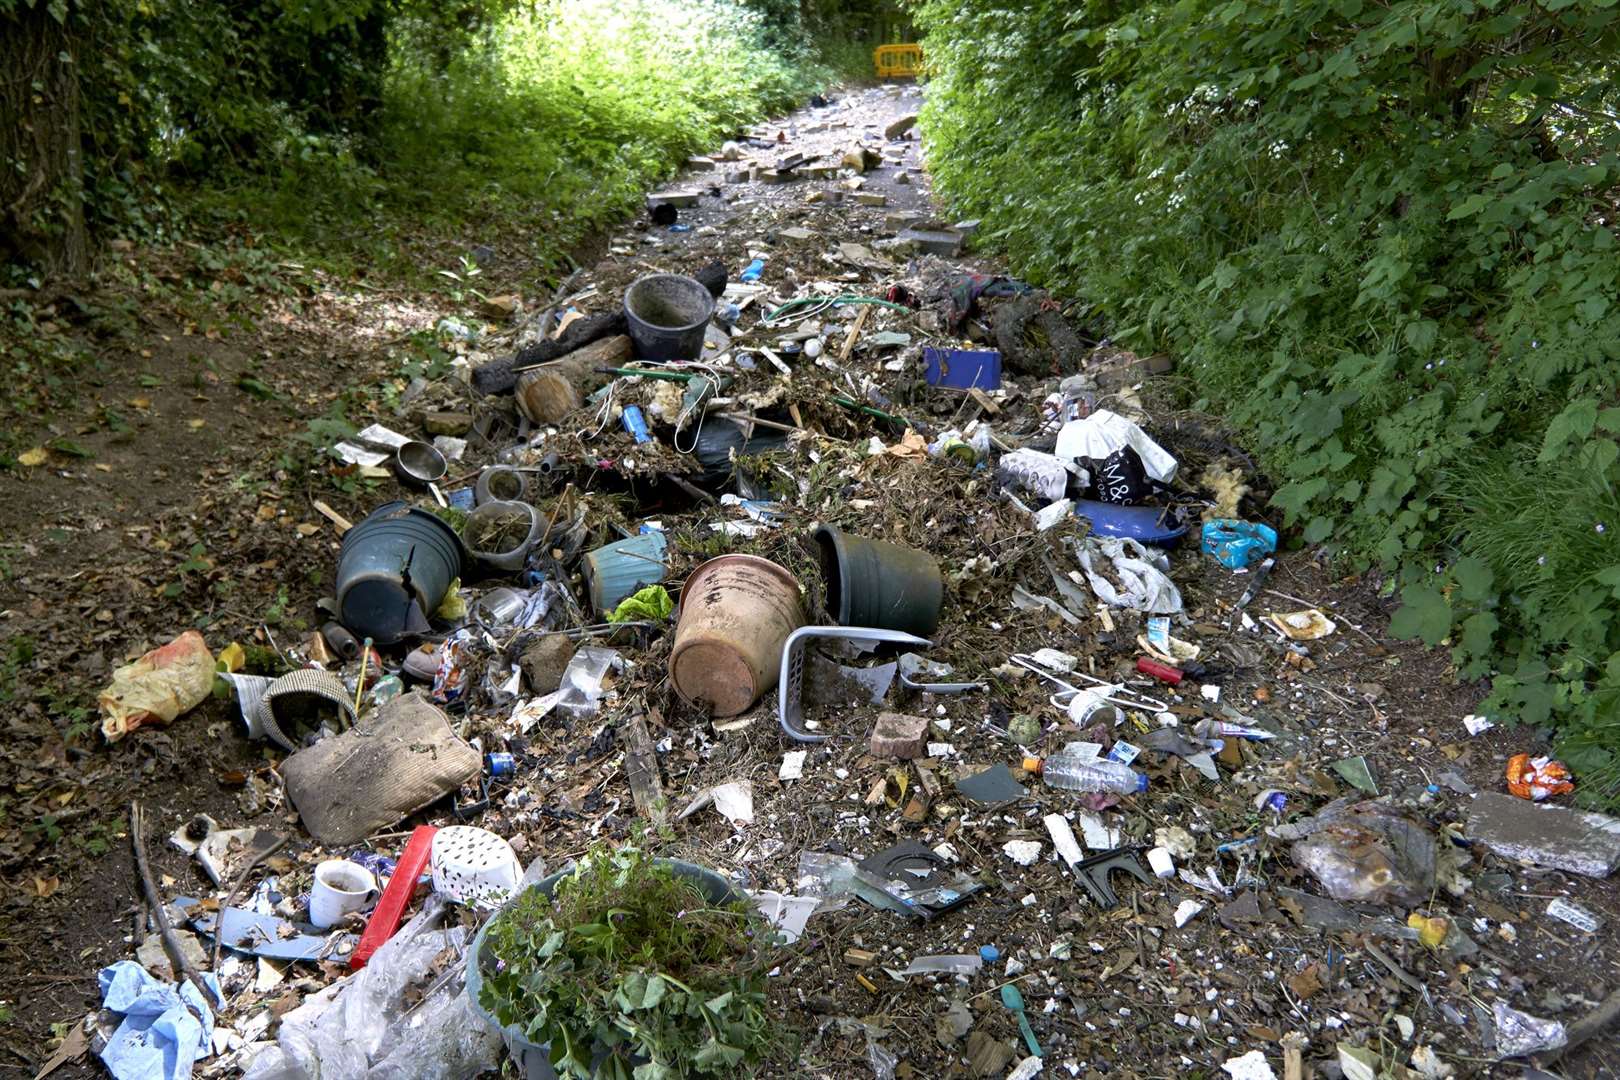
x=1382 y=238
x=628 y=972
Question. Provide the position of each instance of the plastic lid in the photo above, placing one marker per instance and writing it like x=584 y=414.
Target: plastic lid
x=1141 y=781
x=1032 y=764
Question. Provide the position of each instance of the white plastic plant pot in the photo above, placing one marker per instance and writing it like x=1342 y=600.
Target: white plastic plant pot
x=473 y=866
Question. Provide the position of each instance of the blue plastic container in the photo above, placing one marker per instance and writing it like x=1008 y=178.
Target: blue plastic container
x=963 y=369
x=635 y=423
x=615 y=571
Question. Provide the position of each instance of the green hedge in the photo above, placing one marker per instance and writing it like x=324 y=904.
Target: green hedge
x=1382 y=238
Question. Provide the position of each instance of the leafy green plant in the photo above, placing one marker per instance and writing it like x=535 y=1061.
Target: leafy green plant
x=630 y=960
x=1382 y=240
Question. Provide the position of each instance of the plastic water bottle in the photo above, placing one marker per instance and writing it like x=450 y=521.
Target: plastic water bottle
x=1073 y=774
x=753 y=270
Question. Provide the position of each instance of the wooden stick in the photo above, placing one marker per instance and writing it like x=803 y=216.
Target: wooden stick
x=855 y=333
x=171 y=944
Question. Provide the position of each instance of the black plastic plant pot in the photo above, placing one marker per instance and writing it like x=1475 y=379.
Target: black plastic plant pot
x=878 y=584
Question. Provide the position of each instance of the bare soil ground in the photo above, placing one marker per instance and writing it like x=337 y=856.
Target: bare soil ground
x=194 y=508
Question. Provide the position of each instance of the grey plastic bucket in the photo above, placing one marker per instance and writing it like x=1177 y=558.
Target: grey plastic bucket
x=533 y=1060
x=397 y=555
x=668 y=314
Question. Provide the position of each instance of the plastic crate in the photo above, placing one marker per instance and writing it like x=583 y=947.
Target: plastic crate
x=898 y=61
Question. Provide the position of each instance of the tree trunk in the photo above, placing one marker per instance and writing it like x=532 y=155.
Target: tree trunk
x=41 y=194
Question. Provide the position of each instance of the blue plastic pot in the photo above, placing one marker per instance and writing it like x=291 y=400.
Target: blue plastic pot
x=621 y=568
x=533 y=1060
x=1144 y=524
x=393 y=571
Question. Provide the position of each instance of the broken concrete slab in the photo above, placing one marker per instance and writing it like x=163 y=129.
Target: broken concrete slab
x=1573 y=840
x=871 y=198
x=898 y=735
x=861 y=158
x=678 y=199
x=933 y=241
x=796 y=233
x=700 y=164
x=901 y=219
x=448 y=423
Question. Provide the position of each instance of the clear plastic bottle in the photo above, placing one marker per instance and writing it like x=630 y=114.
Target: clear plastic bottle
x=1072 y=774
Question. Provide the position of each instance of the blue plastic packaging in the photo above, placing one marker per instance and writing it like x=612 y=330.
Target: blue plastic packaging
x=752 y=271
x=636 y=424
x=1236 y=544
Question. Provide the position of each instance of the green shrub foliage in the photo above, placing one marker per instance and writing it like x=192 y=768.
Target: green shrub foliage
x=1382 y=238
x=358 y=127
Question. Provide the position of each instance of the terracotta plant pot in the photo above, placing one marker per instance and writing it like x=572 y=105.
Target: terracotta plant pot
x=736 y=613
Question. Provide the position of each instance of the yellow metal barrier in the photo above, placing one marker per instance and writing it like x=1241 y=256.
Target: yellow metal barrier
x=898 y=61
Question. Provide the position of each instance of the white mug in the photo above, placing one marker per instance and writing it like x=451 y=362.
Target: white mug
x=340 y=887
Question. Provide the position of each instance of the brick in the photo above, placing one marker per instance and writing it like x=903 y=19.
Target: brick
x=899 y=735
x=871 y=198
x=448 y=423
x=1572 y=840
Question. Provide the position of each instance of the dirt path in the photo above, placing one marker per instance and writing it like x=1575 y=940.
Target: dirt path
x=195 y=509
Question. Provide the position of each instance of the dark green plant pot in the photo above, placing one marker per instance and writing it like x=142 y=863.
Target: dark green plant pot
x=533 y=1060
x=878 y=584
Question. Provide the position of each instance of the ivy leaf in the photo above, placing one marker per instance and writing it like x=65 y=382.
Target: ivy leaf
x=716 y=1056
x=1478 y=631
x=654 y=1071
x=1424 y=614
x=1473 y=578
x=639 y=990
x=1610 y=576
x=1573 y=424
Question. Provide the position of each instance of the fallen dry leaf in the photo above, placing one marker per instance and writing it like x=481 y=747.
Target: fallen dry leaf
x=33 y=458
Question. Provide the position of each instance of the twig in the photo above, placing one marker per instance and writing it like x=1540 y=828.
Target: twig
x=171 y=944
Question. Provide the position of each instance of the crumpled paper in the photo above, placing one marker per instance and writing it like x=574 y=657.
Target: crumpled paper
x=166 y=1028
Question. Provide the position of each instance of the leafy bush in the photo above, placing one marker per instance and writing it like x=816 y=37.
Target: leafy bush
x=632 y=960
x=1382 y=238
x=547 y=123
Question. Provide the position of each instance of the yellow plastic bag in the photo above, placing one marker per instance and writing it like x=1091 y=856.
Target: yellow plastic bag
x=158 y=687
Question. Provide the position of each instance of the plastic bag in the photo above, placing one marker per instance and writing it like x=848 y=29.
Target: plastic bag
x=1042 y=475
x=1366 y=851
x=334 y=1035
x=1537 y=778
x=158 y=687
x=1100 y=435
x=1144 y=580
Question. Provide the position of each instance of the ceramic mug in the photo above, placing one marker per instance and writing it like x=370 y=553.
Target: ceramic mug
x=340 y=887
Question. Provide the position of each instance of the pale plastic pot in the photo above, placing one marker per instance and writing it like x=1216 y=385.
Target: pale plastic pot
x=736 y=613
